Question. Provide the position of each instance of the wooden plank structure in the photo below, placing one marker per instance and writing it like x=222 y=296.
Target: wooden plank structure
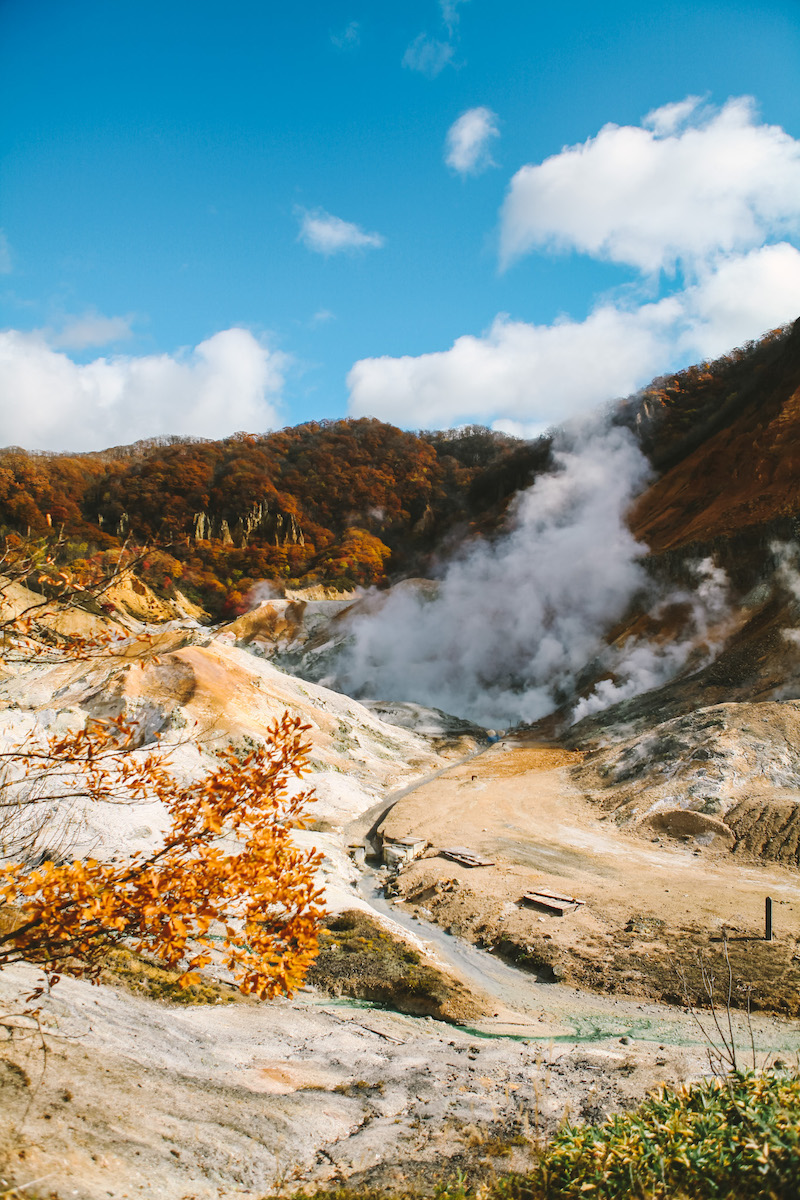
x=467 y=858
x=399 y=851
x=552 y=902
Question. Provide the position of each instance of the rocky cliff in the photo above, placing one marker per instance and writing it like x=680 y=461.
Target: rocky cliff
x=261 y=520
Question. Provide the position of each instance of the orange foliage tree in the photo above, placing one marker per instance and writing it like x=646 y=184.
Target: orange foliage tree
x=30 y=619
x=358 y=556
x=227 y=884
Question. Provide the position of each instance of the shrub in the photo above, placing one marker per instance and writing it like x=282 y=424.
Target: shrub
x=722 y=1138
x=227 y=863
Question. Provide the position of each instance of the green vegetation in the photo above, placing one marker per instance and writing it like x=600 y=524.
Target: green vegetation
x=360 y=959
x=723 y=1138
x=146 y=976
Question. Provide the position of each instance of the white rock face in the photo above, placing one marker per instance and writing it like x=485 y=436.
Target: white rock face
x=190 y=694
x=145 y=1099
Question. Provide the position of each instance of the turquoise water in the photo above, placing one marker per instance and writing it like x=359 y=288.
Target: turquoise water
x=581 y=1016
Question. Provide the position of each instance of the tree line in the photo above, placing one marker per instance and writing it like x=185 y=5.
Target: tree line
x=370 y=501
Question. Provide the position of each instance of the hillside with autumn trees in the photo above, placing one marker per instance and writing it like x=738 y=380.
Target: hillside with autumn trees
x=359 y=502
x=344 y=503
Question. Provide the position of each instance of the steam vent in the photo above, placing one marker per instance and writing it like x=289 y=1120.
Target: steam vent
x=400 y=602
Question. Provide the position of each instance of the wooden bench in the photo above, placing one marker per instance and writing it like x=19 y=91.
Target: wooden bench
x=552 y=901
x=467 y=858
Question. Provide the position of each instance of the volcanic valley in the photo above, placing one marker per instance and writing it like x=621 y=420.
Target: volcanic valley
x=546 y=801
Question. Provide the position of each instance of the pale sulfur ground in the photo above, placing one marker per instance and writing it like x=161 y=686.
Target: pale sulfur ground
x=516 y=805
x=139 y=1099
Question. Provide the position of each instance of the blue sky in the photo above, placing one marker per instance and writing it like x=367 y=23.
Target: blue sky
x=161 y=163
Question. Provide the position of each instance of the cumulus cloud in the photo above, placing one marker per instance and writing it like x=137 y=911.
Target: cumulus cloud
x=468 y=138
x=742 y=297
x=326 y=234
x=706 y=191
x=91 y=329
x=689 y=184
x=669 y=117
x=428 y=55
x=230 y=381
x=525 y=377
x=537 y=373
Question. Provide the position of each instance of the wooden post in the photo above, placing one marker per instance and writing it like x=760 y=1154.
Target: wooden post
x=768 y=919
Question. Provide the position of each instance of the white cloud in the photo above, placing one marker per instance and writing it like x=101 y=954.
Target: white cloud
x=90 y=329
x=428 y=55
x=5 y=255
x=468 y=141
x=450 y=13
x=669 y=117
x=743 y=297
x=693 y=184
x=539 y=374
x=229 y=382
x=347 y=38
x=327 y=235
x=525 y=377
x=707 y=191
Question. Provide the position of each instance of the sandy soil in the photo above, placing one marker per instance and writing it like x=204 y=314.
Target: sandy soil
x=137 y=1098
x=733 y=768
x=650 y=905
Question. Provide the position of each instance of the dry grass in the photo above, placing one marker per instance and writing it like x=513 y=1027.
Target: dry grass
x=146 y=976
x=520 y=761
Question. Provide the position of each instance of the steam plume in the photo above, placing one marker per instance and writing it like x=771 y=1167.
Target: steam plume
x=512 y=622
x=642 y=663
x=511 y=625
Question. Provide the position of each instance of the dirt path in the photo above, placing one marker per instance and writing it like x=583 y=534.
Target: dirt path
x=649 y=906
x=365 y=827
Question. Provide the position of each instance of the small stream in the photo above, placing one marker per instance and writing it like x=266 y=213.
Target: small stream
x=530 y=1009
x=552 y=1012
x=480 y=967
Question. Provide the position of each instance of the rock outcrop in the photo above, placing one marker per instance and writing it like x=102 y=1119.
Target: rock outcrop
x=261 y=520
x=729 y=772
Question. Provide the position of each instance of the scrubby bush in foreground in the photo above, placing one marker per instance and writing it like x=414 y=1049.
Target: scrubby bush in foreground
x=733 y=1137
x=736 y=1138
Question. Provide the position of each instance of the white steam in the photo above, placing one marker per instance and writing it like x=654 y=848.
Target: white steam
x=787 y=574
x=260 y=593
x=512 y=622
x=644 y=663
x=506 y=634
x=787 y=569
